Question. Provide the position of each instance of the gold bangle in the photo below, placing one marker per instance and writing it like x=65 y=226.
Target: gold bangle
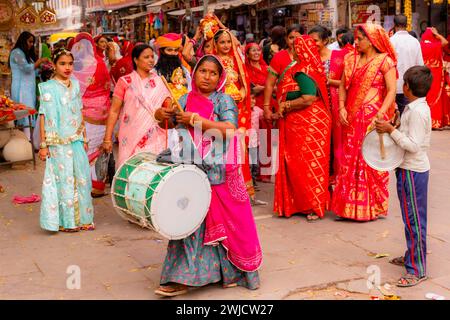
x=107 y=141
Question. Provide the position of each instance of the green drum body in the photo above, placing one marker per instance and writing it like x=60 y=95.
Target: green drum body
x=170 y=199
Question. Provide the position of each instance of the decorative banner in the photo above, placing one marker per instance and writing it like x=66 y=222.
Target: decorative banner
x=6 y=16
x=27 y=16
x=47 y=16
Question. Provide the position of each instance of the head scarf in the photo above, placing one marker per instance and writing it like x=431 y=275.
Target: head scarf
x=196 y=102
x=379 y=39
x=89 y=68
x=237 y=57
x=99 y=51
x=431 y=49
x=257 y=76
x=309 y=62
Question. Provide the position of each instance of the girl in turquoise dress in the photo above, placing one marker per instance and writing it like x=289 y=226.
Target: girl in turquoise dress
x=66 y=190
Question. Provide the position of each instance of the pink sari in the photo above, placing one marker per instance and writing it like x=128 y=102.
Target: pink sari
x=229 y=220
x=139 y=131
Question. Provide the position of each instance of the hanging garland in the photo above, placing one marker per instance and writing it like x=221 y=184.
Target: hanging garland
x=408 y=13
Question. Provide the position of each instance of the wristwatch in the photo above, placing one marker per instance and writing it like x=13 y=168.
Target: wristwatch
x=42 y=145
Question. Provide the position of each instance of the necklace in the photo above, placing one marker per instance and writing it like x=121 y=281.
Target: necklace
x=64 y=82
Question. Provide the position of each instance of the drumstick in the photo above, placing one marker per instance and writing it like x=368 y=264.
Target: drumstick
x=382 y=149
x=171 y=94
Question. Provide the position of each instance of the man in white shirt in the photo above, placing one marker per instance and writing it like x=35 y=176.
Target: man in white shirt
x=414 y=137
x=337 y=45
x=409 y=54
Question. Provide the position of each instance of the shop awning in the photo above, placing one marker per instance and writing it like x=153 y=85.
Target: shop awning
x=217 y=6
x=119 y=4
x=156 y=6
x=134 y=16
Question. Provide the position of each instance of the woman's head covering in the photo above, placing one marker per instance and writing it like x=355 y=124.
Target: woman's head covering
x=223 y=77
x=99 y=51
x=309 y=62
x=261 y=58
x=379 y=39
x=88 y=67
x=432 y=50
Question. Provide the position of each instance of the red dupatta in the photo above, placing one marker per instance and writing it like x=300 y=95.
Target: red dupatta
x=125 y=65
x=433 y=58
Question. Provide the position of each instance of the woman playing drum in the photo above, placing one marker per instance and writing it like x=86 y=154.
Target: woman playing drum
x=226 y=246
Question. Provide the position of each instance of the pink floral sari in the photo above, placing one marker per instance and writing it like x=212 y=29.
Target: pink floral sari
x=139 y=130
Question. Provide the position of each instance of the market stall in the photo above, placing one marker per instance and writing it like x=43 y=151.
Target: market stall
x=14 y=144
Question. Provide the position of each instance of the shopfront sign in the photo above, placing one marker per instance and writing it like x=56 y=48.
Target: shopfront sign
x=118 y=4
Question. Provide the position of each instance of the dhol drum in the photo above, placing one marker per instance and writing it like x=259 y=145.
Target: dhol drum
x=168 y=198
x=381 y=152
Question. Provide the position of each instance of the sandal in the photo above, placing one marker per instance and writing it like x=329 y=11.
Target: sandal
x=312 y=217
x=230 y=285
x=399 y=261
x=172 y=290
x=410 y=280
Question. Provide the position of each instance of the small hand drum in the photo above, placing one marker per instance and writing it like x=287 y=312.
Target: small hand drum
x=171 y=199
x=377 y=158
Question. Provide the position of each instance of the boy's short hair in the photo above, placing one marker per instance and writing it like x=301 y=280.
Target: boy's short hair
x=418 y=79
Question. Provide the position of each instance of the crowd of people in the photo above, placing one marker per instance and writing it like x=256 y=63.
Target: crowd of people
x=321 y=97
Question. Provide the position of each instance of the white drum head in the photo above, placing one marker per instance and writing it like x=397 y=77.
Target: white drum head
x=181 y=202
x=371 y=152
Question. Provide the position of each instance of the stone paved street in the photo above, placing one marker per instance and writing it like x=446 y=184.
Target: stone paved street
x=323 y=260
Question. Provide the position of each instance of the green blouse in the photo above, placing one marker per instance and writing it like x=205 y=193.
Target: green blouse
x=306 y=84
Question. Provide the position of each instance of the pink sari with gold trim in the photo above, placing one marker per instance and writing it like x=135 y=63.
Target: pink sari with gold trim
x=361 y=193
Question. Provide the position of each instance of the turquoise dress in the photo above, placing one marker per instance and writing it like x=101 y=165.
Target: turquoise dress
x=66 y=190
x=188 y=261
x=23 y=85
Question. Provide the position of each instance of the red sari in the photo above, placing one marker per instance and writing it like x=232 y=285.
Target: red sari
x=433 y=59
x=258 y=76
x=301 y=184
x=336 y=71
x=361 y=193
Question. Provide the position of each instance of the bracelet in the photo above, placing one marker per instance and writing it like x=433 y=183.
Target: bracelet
x=193 y=41
x=106 y=141
x=43 y=145
x=191 y=122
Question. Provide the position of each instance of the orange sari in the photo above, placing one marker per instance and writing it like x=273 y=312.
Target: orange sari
x=301 y=183
x=361 y=193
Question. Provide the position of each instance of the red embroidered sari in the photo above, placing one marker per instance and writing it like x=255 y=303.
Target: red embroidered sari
x=433 y=58
x=361 y=193
x=336 y=71
x=301 y=184
x=258 y=76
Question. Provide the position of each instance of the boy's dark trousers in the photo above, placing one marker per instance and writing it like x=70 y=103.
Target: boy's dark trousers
x=412 y=188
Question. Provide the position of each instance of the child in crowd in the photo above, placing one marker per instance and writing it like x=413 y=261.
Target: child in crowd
x=413 y=136
x=66 y=190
